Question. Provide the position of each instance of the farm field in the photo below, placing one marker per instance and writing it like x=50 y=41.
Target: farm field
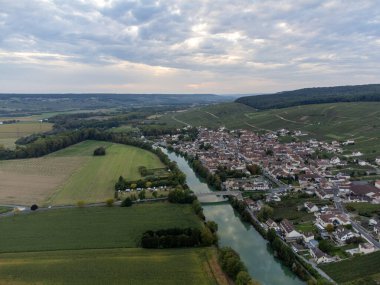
x=122 y=266
x=334 y=121
x=365 y=209
x=90 y=228
x=72 y=174
x=9 y=133
x=351 y=270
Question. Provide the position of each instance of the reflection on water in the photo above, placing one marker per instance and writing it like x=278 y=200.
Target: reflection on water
x=242 y=237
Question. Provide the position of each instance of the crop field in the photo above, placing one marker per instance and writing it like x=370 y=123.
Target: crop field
x=111 y=266
x=336 y=121
x=90 y=228
x=365 y=209
x=9 y=133
x=72 y=174
x=352 y=269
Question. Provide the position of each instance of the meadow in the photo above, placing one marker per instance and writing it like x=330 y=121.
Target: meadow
x=9 y=133
x=333 y=121
x=112 y=266
x=72 y=174
x=350 y=270
x=90 y=228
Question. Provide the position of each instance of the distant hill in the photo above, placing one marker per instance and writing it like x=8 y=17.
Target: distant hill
x=333 y=121
x=37 y=103
x=307 y=96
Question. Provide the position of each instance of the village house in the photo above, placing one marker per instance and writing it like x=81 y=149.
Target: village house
x=366 y=248
x=272 y=225
x=289 y=231
x=319 y=256
x=307 y=237
x=342 y=235
x=310 y=207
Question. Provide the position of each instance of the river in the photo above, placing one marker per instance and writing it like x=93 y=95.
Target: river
x=242 y=237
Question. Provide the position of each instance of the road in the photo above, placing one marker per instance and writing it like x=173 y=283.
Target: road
x=339 y=205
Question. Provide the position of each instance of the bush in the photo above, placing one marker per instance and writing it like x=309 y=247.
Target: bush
x=110 y=202
x=80 y=204
x=127 y=202
x=100 y=151
x=34 y=207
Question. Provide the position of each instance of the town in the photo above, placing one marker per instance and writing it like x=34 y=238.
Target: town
x=300 y=189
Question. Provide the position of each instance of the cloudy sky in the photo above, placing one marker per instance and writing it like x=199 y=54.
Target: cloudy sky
x=216 y=46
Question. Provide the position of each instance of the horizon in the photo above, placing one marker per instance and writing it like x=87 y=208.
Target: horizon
x=176 y=47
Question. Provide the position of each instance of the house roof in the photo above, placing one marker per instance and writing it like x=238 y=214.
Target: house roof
x=287 y=226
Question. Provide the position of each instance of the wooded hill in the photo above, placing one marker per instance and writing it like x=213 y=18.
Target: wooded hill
x=306 y=96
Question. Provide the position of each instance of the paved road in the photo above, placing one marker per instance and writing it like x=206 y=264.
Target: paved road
x=339 y=205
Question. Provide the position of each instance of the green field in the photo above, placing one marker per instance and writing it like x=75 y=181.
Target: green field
x=72 y=174
x=112 y=266
x=350 y=270
x=336 y=121
x=95 y=180
x=365 y=209
x=89 y=228
x=9 y=133
x=98 y=245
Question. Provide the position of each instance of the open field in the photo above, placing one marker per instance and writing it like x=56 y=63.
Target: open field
x=111 y=266
x=71 y=174
x=352 y=269
x=9 y=133
x=334 y=121
x=90 y=228
x=365 y=209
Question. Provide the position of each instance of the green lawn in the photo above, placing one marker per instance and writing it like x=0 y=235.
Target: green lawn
x=5 y=209
x=355 y=268
x=90 y=228
x=111 y=266
x=365 y=209
x=94 y=181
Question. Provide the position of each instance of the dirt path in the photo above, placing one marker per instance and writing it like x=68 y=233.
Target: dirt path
x=211 y=114
x=179 y=121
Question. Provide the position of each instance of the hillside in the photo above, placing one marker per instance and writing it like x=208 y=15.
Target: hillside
x=335 y=121
x=306 y=96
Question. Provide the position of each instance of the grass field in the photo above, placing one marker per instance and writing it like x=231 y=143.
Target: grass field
x=71 y=174
x=365 y=209
x=9 y=133
x=355 y=268
x=90 y=228
x=112 y=266
x=338 y=121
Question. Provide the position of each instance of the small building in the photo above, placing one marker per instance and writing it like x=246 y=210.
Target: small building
x=319 y=256
x=272 y=225
x=310 y=207
x=366 y=248
x=289 y=231
x=307 y=237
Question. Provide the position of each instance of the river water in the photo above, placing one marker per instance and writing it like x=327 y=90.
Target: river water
x=242 y=237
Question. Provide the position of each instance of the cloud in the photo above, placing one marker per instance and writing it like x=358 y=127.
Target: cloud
x=220 y=46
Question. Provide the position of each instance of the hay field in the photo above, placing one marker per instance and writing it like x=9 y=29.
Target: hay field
x=72 y=174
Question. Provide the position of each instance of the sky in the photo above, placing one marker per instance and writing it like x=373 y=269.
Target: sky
x=210 y=46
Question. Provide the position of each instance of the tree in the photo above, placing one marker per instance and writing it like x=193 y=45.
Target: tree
x=330 y=228
x=207 y=237
x=133 y=186
x=34 y=207
x=154 y=194
x=109 y=202
x=148 y=184
x=142 y=195
x=265 y=213
x=100 y=151
x=243 y=278
x=80 y=204
x=212 y=226
x=127 y=202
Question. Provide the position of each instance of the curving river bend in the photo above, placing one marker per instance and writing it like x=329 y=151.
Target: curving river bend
x=242 y=237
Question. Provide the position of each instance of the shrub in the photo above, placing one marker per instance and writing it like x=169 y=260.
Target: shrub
x=109 y=202
x=34 y=207
x=100 y=151
x=80 y=204
x=127 y=202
